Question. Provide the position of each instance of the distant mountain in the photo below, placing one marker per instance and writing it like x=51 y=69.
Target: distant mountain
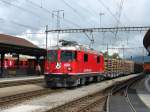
x=141 y=59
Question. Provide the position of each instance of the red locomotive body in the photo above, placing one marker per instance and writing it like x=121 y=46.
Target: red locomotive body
x=68 y=66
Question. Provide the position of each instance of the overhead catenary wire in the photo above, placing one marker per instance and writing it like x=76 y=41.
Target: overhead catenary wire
x=67 y=4
x=41 y=8
x=126 y=17
x=103 y=4
x=119 y=16
x=23 y=25
x=19 y=24
x=51 y=12
x=113 y=15
x=91 y=9
x=16 y=6
x=90 y=37
x=30 y=12
x=107 y=8
x=75 y=10
x=83 y=8
x=23 y=9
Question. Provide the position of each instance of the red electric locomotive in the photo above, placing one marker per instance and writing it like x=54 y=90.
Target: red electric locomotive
x=72 y=64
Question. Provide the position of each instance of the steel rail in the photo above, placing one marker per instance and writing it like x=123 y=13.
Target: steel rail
x=107 y=103
x=127 y=96
x=128 y=99
x=20 y=82
x=117 y=89
x=80 y=105
x=93 y=104
x=87 y=103
x=18 y=98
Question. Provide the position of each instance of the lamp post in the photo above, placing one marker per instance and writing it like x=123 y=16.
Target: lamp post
x=46 y=35
x=100 y=18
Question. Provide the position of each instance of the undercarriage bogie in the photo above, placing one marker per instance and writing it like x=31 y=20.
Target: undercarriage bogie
x=70 y=81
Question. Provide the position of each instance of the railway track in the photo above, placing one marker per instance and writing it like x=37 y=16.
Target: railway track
x=18 y=98
x=91 y=103
x=20 y=82
x=81 y=105
x=122 y=93
x=128 y=100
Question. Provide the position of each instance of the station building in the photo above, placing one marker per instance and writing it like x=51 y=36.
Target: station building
x=19 y=57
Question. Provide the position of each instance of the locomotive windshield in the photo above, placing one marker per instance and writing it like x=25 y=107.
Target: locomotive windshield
x=52 y=56
x=67 y=56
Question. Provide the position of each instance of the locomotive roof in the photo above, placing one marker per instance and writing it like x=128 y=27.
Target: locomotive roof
x=75 y=48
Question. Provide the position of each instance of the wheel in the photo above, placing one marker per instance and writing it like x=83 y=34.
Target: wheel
x=102 y=78
x=82 y=82
x=47 y=84
x=98 y=78
x=50 y=85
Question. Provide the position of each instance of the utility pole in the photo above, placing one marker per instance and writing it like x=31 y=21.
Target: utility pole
x=123 y=58
x=58 y=14
x=123 y=50
x=41 y=4
x=100 y=18
x=46 y=35
x=107 y=52
x=107 y=58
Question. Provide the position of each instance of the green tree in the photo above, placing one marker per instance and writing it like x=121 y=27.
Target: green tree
x=115 y=56
x=106 y=54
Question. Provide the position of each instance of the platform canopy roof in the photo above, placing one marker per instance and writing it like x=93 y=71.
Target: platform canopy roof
x=11 y=44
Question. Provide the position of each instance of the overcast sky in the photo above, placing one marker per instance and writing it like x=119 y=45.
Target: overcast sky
x=22 y=17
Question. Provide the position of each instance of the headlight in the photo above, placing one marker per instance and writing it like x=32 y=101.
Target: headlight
x=69 y=68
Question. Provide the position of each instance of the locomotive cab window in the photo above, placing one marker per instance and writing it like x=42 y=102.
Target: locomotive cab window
x=52 y=56
x=98 y=59
x=68 y=56
x=85 y=57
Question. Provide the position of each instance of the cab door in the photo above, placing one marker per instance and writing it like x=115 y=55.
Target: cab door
x=80 y=64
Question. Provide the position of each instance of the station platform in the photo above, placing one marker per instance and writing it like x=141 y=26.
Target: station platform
x=118 y=104
x=143 y=91
x=20 y=78
x=10 y=91
x=16 y=81
x=138 y=95
x=17 y=85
